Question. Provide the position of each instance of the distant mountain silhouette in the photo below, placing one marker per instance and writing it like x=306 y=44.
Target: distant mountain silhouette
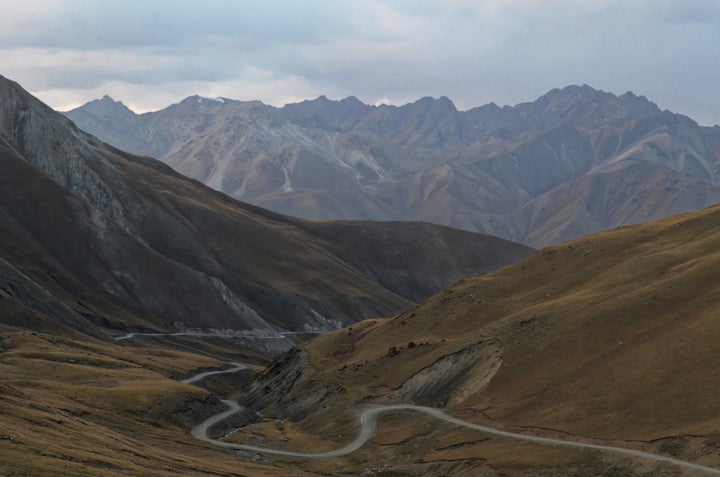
x=574 y=161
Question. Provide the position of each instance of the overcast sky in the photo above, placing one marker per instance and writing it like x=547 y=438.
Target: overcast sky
x=151 y=53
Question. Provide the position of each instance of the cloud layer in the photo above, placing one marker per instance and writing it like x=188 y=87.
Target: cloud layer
x=150 y=54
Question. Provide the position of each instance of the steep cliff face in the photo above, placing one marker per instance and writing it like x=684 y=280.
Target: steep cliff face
x=52 y=143
x=124 y=242
x=70 y=264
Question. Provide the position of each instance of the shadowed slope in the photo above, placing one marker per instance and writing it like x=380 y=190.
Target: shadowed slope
x=122 y=241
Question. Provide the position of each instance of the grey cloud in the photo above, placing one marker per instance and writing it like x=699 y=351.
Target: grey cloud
x=474 y=51
x=139 y=23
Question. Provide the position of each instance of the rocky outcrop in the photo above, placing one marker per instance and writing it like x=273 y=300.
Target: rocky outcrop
x=452 y=378
x=286 y=389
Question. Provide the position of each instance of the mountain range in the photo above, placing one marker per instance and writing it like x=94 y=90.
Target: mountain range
x=608 y=341
x=98 y=241
x=575 y=161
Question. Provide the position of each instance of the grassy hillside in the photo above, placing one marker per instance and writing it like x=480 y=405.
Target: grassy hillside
x=70 y=408
x=613 y=338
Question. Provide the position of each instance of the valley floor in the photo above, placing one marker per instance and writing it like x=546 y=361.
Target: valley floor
x=137 y=404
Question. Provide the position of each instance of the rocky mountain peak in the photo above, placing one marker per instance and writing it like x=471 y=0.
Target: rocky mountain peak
x=631 y=100
x=319 y=102
x=353 y=101
x=443 y=104
x=323 y=101
x=71 y=157
x=108 y=108
x=589 y=107
x=197 y=99
x=561 y=100
x=326 y=113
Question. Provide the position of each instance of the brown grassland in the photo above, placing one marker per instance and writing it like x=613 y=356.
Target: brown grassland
x=612 y=338
x=71 y=408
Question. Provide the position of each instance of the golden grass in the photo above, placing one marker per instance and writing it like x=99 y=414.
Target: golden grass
x=614 y=336
x=77 y=408
x=610 y=337
x=501 y=453
x=285 y=435
x=409 y=439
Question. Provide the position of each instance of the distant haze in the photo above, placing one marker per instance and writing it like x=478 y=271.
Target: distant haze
x=150 y=54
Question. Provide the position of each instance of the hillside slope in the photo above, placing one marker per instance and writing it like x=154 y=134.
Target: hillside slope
x=84 y=407
x=609 y=338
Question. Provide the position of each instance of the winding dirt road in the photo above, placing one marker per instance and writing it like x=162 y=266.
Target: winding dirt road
x=200 y=376
x=202 y=334
x=276 y=335
x=368 y=419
